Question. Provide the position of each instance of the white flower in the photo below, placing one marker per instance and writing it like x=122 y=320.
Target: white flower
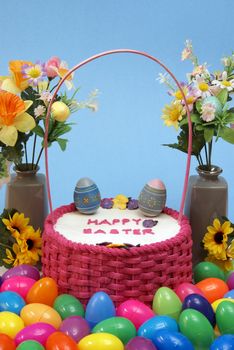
x=39 y=110
x=208 y=112
x=203 y=89
x=162 y=78
x=223 y=83
x=45 y=96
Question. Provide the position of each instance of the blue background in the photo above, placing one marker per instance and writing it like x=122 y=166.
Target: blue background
x=120 y=146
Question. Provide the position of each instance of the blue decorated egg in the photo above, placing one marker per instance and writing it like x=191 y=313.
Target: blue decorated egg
x=87 y=196
x=152 y=198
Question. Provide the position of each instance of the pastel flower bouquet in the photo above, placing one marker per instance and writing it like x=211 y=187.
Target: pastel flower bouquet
x=24 y=98
x=208 y=96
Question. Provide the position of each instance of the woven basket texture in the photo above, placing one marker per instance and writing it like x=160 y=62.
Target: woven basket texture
x=136 y=273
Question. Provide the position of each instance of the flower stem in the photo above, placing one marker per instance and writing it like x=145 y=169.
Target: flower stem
x=42 y=148
x=207 y=162
x=26 y=153
x=34 y=147
x=210 y=151
x=198 y=159
x=5 y=246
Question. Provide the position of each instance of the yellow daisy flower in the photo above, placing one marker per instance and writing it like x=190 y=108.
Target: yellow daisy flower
x=173 y=113
x=16 y=224
x=33 y=243
x=215 y=240
x=13 y=117
x=120 y=202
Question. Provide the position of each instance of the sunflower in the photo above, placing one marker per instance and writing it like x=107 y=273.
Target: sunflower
x=215 y=240
x=225 y=265
x=33 y=244
x=16 y=224
x=173 y=113
x=16 y=257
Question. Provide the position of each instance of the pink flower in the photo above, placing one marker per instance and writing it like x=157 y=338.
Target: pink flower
x=52 y=66
x=208 y=112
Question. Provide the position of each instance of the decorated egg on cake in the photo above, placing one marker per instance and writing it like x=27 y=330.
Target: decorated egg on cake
x=87 y=196
x=152 y=198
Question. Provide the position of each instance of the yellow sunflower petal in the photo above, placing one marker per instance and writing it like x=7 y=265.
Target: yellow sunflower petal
x=9 y=135
x=217 y=224
x=226 y=227
x=24 y=122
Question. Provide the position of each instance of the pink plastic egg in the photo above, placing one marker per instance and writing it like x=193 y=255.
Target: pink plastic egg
x=185 y=289
x=135 y=311
x=38 y=331
x=18 y=284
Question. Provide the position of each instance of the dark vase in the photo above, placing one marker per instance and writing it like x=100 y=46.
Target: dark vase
x=26 y=192
x=207 y=198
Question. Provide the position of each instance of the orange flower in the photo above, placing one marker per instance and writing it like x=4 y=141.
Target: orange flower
x=16 y=82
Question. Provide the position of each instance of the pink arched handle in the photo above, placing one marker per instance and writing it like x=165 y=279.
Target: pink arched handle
x=90 y=59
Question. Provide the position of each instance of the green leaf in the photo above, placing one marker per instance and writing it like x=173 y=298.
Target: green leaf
x=38 y=130
x=222 y=96
x=199 y=106
x=62 y=143
x=208 y=134
x=230 y=118
x=227 y=134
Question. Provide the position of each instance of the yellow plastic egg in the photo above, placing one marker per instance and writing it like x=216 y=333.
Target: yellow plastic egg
x=10 y=323
x=100 y=341
x=36 y=312
x=60 y=111
x=216 y=303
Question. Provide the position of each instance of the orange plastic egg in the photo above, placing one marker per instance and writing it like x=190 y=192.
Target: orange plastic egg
x=213 y=288
x=60 y=341
x=44 y=291
x=6 y=343
x=35 y=312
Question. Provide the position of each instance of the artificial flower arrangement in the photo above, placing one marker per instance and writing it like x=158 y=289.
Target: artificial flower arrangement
x=218 y=241
x=207 y=95
x=24 y=98
x=20 y=242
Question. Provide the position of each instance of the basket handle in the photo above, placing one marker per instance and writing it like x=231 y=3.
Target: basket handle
x=92 y=58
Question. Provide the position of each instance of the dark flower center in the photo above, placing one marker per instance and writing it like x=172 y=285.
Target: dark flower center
x=30 y=244
x=218 y=237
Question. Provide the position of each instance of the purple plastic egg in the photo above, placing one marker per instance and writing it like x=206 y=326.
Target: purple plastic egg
x=39 y=331
x=140 y=343
x=76 y=327
x=230 y=281
x=22 y=270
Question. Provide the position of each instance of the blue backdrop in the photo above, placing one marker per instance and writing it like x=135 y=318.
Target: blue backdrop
x=120 y=146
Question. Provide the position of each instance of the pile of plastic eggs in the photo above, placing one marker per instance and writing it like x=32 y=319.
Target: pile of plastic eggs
x=199 y=316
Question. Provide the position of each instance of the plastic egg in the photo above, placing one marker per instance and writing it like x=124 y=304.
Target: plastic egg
x=166 y=340
x=99 y=307
x=195 y=326
x=201 y=304
x=135 y=311
x=33 y=313
x=213 y=288
x=6 y=343
x=30 y=345
x=10 y=323
x=225 y=317
x=216 y=303
x=60 y=341
x=19 y=284
x=224 y=342
x=100 y=341
x=166 y=302
x=152 y=198
x=22 y=270
x=230 y=281
x=67 y=305
x=38 y=331
x=76 y=327
x=87 y=197
x=229 y=294
x=185 y=289
x=121 y=327
x=44 y=291
x=206 y=269
x=11 y=301
x=155 y=324
x=140 y=343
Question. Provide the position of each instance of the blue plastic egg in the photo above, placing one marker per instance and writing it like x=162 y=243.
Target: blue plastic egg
x=224 y=342
x=229 y=294
x=87 y=197
x=166 y=340
x=11 y=301
x=157 y=323
x=201 y=304
x=99 y=308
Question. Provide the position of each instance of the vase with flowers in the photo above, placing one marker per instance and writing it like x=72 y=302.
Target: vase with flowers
x=208 y=96
x=24 y=99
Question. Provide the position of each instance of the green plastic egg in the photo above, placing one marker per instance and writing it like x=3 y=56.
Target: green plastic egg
x=205 y=270
x=225 y=317
x=67 y=305
x=100 y=341
x=166 y=302
x=30 y=345
x=196 y=327
x=121 y=327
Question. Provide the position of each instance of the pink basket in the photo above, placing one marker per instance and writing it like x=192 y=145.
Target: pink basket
x=82 y=269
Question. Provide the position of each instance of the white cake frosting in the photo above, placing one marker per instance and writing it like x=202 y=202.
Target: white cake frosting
x=117 y=226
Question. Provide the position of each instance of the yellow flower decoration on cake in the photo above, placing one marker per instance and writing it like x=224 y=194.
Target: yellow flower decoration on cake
x=215 y=240
x=120 y=202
